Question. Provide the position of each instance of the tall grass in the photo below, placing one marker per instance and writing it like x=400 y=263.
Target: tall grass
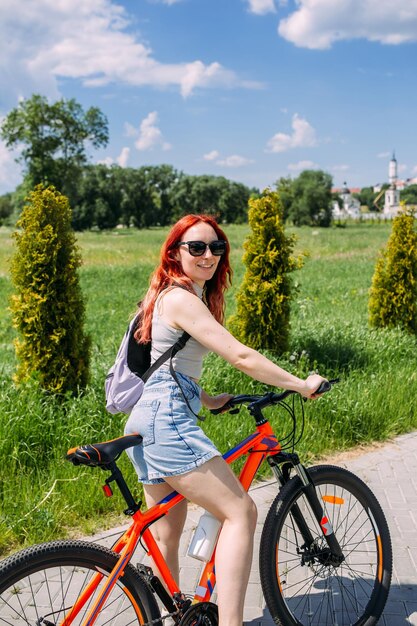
x=42 y=496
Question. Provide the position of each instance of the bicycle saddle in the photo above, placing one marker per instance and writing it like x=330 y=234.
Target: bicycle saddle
x=101 y=454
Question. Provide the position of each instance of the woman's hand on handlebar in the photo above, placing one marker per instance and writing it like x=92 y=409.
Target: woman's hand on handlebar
x=312 y=386
x=314 y=391
x=215 y=402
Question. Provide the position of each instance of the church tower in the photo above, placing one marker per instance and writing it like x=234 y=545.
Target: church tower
x=393 y=170
x=392 y=194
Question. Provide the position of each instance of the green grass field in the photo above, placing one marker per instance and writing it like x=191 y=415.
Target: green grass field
x=42 y=496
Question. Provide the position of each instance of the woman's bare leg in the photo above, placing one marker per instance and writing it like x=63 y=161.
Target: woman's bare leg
x=214 y=487
x=168 y=530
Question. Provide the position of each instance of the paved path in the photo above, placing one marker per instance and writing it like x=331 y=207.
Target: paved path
x=390 y=470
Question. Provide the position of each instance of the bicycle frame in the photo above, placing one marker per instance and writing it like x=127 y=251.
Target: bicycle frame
x=257 y=446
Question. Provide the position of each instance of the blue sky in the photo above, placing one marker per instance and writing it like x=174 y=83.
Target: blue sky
x=248 y=89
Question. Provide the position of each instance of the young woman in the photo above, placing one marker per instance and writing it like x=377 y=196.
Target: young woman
x=187 y=294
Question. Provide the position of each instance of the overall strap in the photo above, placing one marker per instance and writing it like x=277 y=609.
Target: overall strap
x=169 y=354
x=175 y=377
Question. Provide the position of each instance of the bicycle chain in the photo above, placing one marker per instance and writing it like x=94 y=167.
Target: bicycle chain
x=166 y=615
x=161 y=619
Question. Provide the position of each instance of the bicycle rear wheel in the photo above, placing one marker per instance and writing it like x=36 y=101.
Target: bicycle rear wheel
x=40 y=585
x=299 y=586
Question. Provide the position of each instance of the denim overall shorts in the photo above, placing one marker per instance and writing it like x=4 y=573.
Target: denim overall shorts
x=173 y=443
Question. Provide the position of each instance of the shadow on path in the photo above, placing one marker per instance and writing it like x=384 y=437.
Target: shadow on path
x=400 y=609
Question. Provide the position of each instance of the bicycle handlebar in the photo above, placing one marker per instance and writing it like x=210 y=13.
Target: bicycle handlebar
x=269 y=398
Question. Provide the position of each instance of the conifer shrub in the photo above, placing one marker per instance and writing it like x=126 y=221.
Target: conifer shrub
x=393 y=294
x=262 y=319
x=47 y=306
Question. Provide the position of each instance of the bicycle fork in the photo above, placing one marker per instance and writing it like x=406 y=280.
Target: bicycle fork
x=281 y=465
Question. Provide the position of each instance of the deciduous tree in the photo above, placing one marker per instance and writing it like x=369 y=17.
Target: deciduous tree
x=308 y=198
x=53 y=139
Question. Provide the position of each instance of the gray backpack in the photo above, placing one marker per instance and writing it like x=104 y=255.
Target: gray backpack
x=126 y=379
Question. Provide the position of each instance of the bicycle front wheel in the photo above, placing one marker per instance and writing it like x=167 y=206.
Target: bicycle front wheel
x=300 y=584
x=41 y=585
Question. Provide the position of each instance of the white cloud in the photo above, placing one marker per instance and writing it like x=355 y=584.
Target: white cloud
x=402 y=167
x=302 y=165
x=317 y=24
x=149 y=135
x=383 y=155
x=303 y=136
x=123 y=157
x=414 y=169
x=234 y=160
x=211 y=156
x=106 y=161
x=260 y=7
x=121 y=160
x=91 y=41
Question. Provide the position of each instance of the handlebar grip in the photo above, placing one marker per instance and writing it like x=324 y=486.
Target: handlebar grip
x=222 y=409
x=326 y=385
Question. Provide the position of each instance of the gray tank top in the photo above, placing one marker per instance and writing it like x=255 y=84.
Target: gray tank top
x=189 y=360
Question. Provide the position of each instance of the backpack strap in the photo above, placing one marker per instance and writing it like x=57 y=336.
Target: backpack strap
x=168 y=354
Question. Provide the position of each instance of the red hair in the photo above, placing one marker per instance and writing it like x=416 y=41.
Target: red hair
x=169 y=273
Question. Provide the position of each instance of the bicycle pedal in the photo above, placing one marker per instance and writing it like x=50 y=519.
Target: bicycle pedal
x=145 y=571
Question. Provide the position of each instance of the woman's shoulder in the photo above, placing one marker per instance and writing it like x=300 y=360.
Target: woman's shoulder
x=176 y=302
x=176 y=292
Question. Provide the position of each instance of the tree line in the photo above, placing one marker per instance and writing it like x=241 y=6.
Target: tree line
x=153 y=196
x=53 y=141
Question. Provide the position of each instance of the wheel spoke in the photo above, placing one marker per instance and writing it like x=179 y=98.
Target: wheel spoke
x=310 y=588
x=54 y=577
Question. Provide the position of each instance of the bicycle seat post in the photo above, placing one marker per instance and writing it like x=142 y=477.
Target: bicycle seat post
x=117 y=476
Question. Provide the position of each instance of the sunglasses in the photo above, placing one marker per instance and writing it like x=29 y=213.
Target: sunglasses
x=198 y=248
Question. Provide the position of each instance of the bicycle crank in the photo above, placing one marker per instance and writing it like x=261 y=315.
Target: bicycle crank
x=201 y=614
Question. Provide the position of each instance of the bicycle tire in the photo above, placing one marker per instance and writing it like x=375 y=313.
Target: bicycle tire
x=39 y=585
x=319 y=594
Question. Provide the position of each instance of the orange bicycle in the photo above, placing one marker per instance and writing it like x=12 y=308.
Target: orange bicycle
x=325 y=551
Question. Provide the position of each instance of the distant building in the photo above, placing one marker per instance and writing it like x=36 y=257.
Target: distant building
x=351 y=207
x=392 y=194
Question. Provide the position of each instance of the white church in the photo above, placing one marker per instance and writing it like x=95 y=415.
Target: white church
x=350 y=206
